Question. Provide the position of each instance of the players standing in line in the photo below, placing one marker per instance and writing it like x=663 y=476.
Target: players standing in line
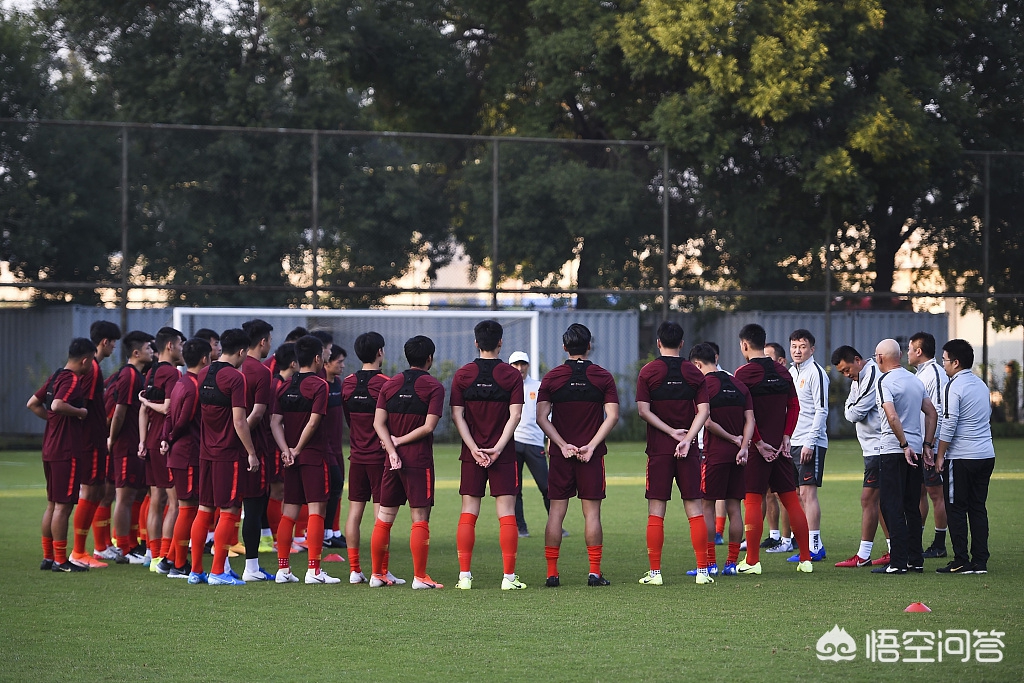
x=965 y=457
x=283 y=367
x=810 y=437
x=123 y=443
x=367 y=457
x=155 y=401
x=776 y=409
x=408 y=409
x=225 y=448
x=334 y=423
x=577 y=407
x=921 y=356
x=778 y=520
x=728 y=435
x=61 y=402
x=298 y=428
x=671 y=397
x=862 y=411
x=487 y=403
x=180 y=445
x=900 y=397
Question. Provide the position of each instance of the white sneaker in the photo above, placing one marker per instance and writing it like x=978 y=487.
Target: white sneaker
x=786 y=546
x=259 y=575
x=109 y=553
x=285 y=576
x=424 y=582
x=465 y=583
x=356 y=577
x=313 y=576
x=136 y=559
x=394 y=579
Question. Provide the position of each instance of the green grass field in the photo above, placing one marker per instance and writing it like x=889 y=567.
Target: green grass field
x=124 y=623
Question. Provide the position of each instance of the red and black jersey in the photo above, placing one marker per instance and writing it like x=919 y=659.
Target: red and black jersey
x=578 y=391
x=408 y=398
x=674 y=387
x=485 y=389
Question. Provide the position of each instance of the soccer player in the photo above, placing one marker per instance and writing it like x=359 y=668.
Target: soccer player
x=776 y=409
x=577 y=407
x=180 y=444
x=529 y=442
x=155 y=401
x=671 y=397
x=225 y=448
x=96 y=492
x=298 y=428
x=966 y=457
x=810 y=437
x=334 y=424
x=61 y=402
x=921 y=356
x=729 y=432
x=408 y=409
x=285 y=366
x=487 y=402
x=367 y=457
x=123 y=443
x=775 y=542
x=862 y=411
x=900 y=397
x=213 y=339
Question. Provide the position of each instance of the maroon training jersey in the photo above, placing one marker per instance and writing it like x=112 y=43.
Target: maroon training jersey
x=364 y=444
x=486 y=388
x=95 y=425
x=673 y=399
x=182 y=426
x=313 y=389
x=129 y=382
x=769 y=409
x=219 y=440
x=259 y=389
x=727 y=411
x=428 y=391
x=163 y=377
x=334 y=423
x=578 y=420
x=62 y=438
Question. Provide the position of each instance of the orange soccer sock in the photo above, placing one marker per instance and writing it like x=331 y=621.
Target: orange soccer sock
x=465 y=539
x=142 y=522
x=353 y=559
x=84 y=513
x=133 y=530
x=315 y=541
x=594 y=553
x=274 y=515
x=734 y=553
x=655 y=540
x=551 y=555
x=797 y=520
x=754 y=526
x=60 y=551
x=419 y=544
x=198 y=533
x=155 y=545
x=711 y=550
x=285 y=530
x=223 y=538
x=508 y=539
x=166 y=548
x=380 y=541
x=719 y=525
x=182 y=532
x=101 y=528
x=124 y=544
x=47 y=548
x=699 y=539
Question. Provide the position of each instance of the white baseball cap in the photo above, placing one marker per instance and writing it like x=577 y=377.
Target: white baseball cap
x=518 y=357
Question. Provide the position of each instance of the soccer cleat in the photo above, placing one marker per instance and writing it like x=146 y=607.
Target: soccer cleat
x=137 y=555
x=806 y=567
x=68 y=568
x=855 y=561
x=770 y=543
x=464 y=583
x=120 y=558
x=395 y=580
x=260 y=574
x=815 y=556
x=266 y=544
x=147 y=560
x=513 y=584
x=889 y=569
x=955 y=567
x=108 y=553
x=524 y=533
x=223 y=580
x=651 y=579
x=154 y=563
x=319 y=576
x=979 y=568
x=703 y=579
x=86 y=560
x=176 y=573
x=233 y=574
x=196 y=578
x=565 y=533
x=553 y=582
x=712 y=570
x=743 y=545
x=356 y=577
x=597 y=580
x=285 y=576
x=881 y=562
x=424 y=582
x=719 y=540
x=785 y=545
x=935 y=551
x=730 y=569
x=208 y=548
x=46 y=565
x=380 y=581
x=744 y=568
x=919 y=569
x=161 y=567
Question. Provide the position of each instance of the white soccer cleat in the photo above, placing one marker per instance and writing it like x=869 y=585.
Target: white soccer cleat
x=285 y=576
x=394 y=579
x=314 y=576
x=424 y=582
x=356 y=577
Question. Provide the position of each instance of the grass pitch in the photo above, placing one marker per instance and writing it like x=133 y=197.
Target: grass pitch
x=124 y=623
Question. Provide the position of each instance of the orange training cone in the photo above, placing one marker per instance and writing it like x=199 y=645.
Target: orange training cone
x=335 y=557
x=917 y=607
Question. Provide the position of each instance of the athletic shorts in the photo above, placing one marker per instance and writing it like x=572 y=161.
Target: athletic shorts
x=412 y=484
x=872 y=464
x=94 y=465
x=568 y=478
x=186 y=482
x=158 y=474
x=307 y=484
x=129 y=471
x=502 y=476
x=809 y=474
x=218 y=484
x=723 y=480
x=776 y=475
x=252 y=484
x=275 y=468
x=364 y=482
x=663 y=470
x=932 y=476
x=62 y=480
x=111 y=476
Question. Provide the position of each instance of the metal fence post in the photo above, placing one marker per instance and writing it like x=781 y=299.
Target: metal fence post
x=665 y=246
x=984 y=271
x=315 y=213
x=494 y=227
x=124 y=233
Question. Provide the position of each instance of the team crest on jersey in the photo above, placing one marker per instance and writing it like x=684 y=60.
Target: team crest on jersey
x=802 y=383
x=533 y=395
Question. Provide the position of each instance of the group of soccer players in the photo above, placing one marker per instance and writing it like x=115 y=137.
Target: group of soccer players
x=247 y=444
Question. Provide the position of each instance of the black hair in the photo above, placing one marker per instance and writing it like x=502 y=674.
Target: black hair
x=925 y=342
x=297 y=333
x=367 y=345
x=336 y=352
x=165 y=336
x=777 y=348
x=705 y=353
x=576 y=339
x=207 y=334
x=670 y=334
x=232 y=341
x=258 y=330
x=135 y=340
x=418 y=349
x=961 y=350
x=307 y=349
x=104 y=329
x=325 y=337
x=284 y=356
x=194 y=351
x=754 y=335
x=802 y=335
x=488 y=333
x=714 y=346
x=845 y=353
x=80 y=348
